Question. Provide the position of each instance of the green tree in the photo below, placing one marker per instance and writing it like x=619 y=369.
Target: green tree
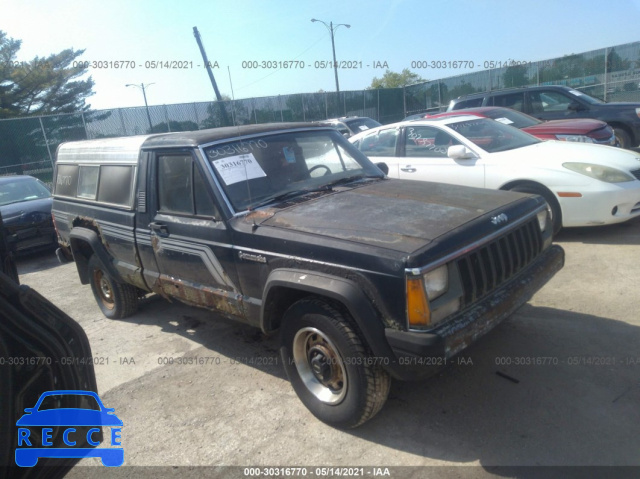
x=395 y=80
x=515 y=76
x=463 y=89
x=616 y=63
x=44 y=85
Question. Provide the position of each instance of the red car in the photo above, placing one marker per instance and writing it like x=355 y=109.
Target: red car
x=583 y=129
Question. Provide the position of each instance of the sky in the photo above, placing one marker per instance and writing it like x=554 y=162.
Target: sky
x=241 y=34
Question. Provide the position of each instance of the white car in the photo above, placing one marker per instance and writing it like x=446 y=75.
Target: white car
x=583 y=184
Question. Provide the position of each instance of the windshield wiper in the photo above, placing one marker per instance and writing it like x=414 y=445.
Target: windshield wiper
x=325 y=187
x=348 y=179
x=282 y=197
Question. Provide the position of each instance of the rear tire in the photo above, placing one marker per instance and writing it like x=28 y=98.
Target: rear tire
x=552 y=203
x=328 y=366
x=116 y=300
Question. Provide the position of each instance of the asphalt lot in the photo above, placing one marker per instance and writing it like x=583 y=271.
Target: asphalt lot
x=571 y=396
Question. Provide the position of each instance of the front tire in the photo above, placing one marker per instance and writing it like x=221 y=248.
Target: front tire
x=622 y=137
x=328 y=366
x=116 y=300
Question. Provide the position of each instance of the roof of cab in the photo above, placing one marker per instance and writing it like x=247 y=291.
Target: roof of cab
x=127 y=149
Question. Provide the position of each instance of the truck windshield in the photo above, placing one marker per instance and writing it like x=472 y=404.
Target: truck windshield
x=258 y=171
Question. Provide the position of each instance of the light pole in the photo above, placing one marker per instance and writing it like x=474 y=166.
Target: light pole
x=332 y=28
x=144 y=94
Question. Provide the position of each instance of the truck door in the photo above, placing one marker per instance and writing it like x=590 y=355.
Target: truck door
x=190 y=241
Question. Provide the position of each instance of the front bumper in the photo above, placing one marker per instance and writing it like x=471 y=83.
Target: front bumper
x=608 y=204
x=420 y=354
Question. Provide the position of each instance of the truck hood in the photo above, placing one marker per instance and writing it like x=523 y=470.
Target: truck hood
x=619 y=104
x=394 y=214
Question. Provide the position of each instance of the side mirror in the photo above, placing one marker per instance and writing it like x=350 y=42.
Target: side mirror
x=460 y=152
x=384 y=167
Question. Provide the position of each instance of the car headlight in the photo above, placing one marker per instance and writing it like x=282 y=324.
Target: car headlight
x=579 y=138
x=436 y=282
x=430 y=297
x=543 y=216
x=599 y=172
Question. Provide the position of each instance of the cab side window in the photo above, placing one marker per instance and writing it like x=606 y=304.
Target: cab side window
x=181 y=188
x=546 y=101
x=512 y=100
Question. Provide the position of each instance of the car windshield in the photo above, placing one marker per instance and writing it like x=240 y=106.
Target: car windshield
x=22 y=190
x=273 y=168
x=493 y=136
x=362 y=124
x=511 y=117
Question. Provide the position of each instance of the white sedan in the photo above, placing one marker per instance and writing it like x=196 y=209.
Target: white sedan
x=583 y=184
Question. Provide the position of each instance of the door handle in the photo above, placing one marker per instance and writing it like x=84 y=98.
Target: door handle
x=159 y=228
x=408 y=169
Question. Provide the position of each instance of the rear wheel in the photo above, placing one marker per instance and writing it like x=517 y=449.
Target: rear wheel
x=552 y=203
x=328 y=365
x=116 y=300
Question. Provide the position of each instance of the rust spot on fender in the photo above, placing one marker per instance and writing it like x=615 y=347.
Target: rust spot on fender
x=214 y=299
x=89 y=223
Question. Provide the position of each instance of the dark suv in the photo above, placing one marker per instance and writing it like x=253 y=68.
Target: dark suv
x=289 y=227
x=561 y=103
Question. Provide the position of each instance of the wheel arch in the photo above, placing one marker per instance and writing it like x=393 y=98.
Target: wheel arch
x=551 y=196
x=286 y=286
x=84 y=243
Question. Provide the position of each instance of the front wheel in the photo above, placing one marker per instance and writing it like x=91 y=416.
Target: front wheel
x=116 y=300
x=328 y=365
x=622 y=138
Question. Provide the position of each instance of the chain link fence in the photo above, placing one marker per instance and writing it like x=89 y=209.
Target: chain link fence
x=28 y=145
x=611 y=74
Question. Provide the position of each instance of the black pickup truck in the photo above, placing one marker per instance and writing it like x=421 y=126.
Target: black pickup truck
x=289 y=228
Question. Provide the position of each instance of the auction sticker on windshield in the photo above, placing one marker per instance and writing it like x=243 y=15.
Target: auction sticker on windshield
x=238 y=168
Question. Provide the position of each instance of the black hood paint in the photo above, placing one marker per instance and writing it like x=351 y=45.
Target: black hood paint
x=399 y=215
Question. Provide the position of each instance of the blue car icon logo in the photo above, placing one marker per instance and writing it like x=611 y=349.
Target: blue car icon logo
x=50 y=429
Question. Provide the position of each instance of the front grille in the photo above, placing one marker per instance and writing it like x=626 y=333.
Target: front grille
x=636 y=173
x=486 y=268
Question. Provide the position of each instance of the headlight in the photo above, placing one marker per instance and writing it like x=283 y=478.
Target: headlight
x=422 y=290
x=542 y=219
x=599 y=172
x=579 y=138
x=436 y=282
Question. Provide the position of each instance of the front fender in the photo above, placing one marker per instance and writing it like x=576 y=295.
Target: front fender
x=342 y=290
